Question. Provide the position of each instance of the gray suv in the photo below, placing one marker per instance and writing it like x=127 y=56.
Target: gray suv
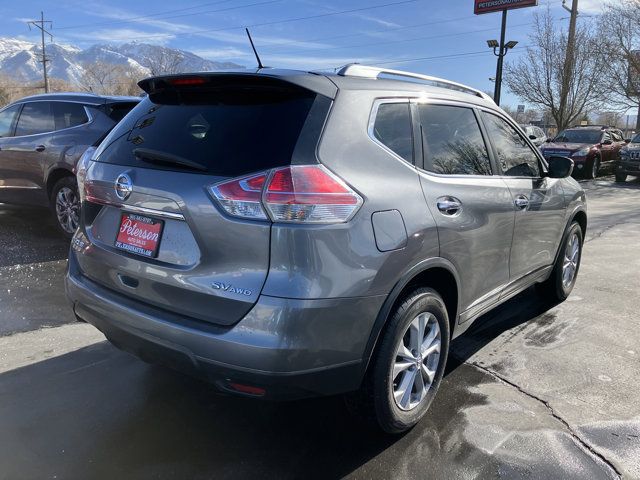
x=286 y=234
x=41 y=139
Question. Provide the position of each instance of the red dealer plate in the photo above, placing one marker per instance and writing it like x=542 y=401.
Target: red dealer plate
x=139 y=235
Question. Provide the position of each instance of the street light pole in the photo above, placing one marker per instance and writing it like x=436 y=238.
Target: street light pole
x=498 y=89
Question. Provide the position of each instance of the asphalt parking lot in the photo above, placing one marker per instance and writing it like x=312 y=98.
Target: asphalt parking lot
x=531 y=391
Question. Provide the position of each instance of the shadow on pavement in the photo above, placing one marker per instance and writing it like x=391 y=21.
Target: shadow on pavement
x=100 y=413
x=29 y=235
x=528 y=309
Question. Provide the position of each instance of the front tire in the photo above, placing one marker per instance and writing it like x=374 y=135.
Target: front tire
x=408 y=365
x=621 y=177
x=594 y=168
x=65 y=204
x=565 y=271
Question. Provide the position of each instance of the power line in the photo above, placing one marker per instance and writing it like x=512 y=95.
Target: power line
x=137 y=19
x=142 y=17
x=40 y=24
x=286 y=20
x=391 y=42
x=383 y=30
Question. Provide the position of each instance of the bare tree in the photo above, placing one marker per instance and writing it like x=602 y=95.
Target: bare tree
x=60 y=85
x=611 y=118
x=619 y=53
x=539 y=76
x=166 y=62
x=12 y=89
x=110 y=79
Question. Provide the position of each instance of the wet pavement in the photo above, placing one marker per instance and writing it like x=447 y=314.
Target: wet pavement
x=531 y=391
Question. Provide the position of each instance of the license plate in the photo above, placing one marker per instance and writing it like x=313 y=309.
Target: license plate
x=140 y=235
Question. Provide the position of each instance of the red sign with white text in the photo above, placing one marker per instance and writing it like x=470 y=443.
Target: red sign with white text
x=488 y=6
x=138 y=234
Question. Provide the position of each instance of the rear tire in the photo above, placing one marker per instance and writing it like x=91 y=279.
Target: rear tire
x=565 y=271
x=382 y=401
x=65 y=205
x=621 y=177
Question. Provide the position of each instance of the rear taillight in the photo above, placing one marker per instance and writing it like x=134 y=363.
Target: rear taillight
x=310 y=194
x=242 y=197
x=81 y=170
x=299 y=193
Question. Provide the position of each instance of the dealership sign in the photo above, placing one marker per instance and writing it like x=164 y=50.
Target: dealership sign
x=488 y=6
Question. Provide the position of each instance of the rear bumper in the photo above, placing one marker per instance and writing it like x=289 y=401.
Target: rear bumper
x=628 y=168
x=291 y=348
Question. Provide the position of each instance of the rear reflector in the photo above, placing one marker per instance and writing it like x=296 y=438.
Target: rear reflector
x=249 y=389
x=299 y=193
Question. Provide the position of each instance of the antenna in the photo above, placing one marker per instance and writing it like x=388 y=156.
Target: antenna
x=260 y=66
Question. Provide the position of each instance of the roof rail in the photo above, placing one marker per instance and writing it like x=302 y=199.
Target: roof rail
x=365 y=71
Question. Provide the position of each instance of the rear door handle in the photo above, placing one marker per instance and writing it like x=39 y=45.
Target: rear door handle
x=521 y=202
x=40 y=148
x=449 y=206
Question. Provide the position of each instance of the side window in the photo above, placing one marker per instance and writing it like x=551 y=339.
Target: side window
x=393 y=129
x=68 y=115
x=36 y=117
x=8 y=120
x=515 y=157
x=452 y=141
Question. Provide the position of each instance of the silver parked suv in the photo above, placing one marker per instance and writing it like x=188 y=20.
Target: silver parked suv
x=287 y=234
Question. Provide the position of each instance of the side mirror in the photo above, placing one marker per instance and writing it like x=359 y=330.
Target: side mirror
x=607 y=142
x=560 y=167
x=627 y=140
x=532 y=137
x=549 y=140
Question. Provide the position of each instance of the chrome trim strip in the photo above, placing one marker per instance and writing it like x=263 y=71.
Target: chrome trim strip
x=141 y=210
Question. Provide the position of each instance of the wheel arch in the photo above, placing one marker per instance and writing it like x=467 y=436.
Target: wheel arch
x=54 y=176
x=437 y=273
x=579 y=215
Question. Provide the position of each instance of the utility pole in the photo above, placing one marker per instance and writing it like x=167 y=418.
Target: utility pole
x=41 y=25
x=498 y=91
x=569 y=60
x=500 y=49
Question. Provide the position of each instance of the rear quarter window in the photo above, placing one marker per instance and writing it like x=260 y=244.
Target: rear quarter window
x=392 y=127
x=67 y=115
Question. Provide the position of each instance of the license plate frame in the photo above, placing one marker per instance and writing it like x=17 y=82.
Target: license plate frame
x=140 y=236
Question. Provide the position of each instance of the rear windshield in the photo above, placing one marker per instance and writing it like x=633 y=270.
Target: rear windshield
x=579 y=136
x=229 y=132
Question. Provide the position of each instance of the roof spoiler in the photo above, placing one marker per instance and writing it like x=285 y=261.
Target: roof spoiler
x=219 y=80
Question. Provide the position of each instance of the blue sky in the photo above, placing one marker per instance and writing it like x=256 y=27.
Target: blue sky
x=436 y=37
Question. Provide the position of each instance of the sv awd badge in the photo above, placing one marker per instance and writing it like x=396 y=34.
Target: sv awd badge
x=227 y=287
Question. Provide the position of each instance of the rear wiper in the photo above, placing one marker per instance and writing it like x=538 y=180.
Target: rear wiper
x=153 y=156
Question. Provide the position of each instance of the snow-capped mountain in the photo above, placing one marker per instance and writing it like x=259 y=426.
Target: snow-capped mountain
x=20 y=59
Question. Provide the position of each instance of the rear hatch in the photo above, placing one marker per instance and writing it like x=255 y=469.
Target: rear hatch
x=157 y=233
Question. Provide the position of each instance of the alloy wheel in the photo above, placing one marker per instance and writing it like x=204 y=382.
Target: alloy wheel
x=68 y=209
x=416 y=361
x=571 y=260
